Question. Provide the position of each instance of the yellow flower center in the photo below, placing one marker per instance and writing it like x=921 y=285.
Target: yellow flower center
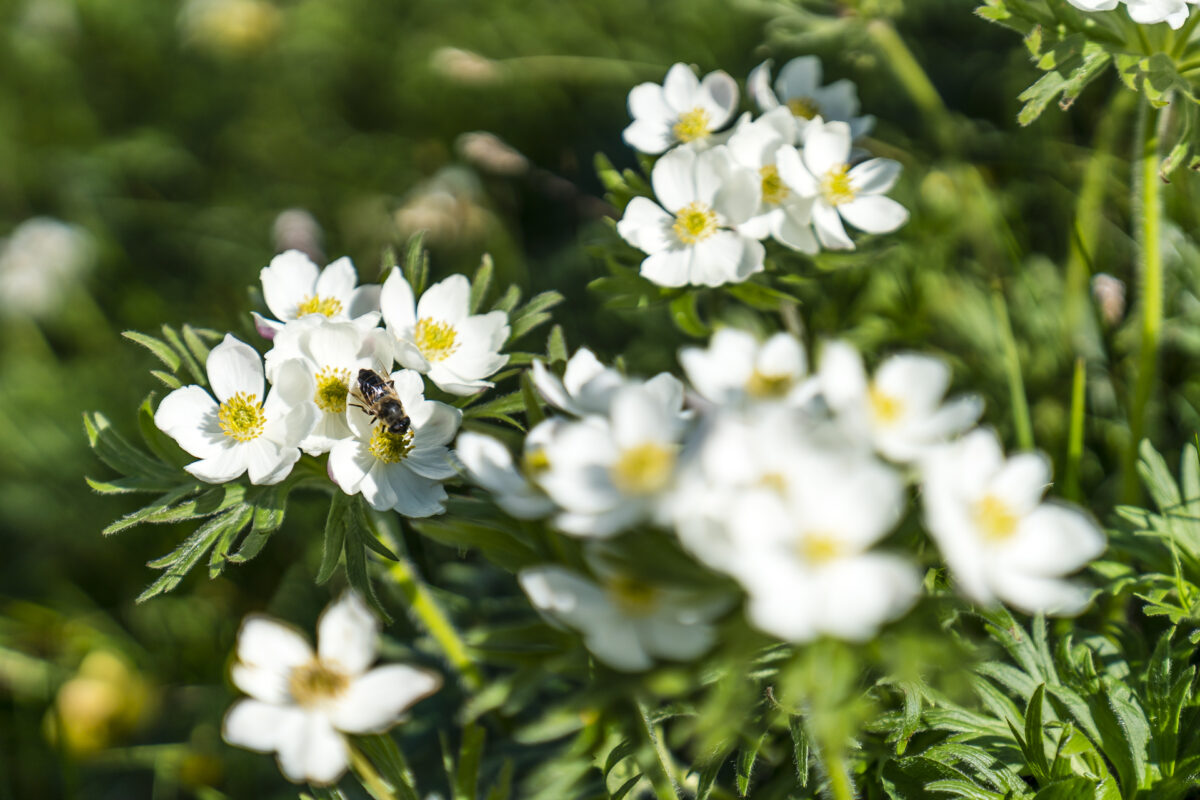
x=765 y=387
x=836 y=187
x=241 y=417
x=435 y=339
x=632 y=596
x=643 y=469
x=804 y=107
x=695 y=222
x=535 y=461
x=819 y=548
x=774 y=190
x=774 y=481
x=884 y=407
x=390 y=448
x=692 y=125
x=333 y=385
x=996 y=521
x=315 y=304
x=316 y=683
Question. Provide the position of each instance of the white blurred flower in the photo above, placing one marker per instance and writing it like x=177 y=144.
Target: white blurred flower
x=625 y=622
x=586 y=387
x=706 y=195
x=900 y=410
x=798 y=88
x=736 y=367
x=294 y=287
x=302 y=702
x=490 y=465
x=297 y=229
x=332 y=353
x=403 y=472
x=682 y=110
x=856 y=194
x=440 y=337
x=241 y=431
x=39 y=263
x=999 y=539
x=782 y=214
x=608 y=473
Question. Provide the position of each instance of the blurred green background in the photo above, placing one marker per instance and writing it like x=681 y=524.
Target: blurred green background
x=173 y=137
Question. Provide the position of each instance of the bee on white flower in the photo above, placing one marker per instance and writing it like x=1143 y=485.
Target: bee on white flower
x=440 y=337
x=242 y=430
x=405 y=471
x=683 y=110
x=840 y=191
x=626 y=622
x=692 y=238
x=301 y=703
x=901 y=409
x=586 y=387
x=332 y=353
x=798 y=89
x=736 y=368
x=782 y=214
x=999 y=539
x=609 y=472
x=293 y=287
x=490 y=465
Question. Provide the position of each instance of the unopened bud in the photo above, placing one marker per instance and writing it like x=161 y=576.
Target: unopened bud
x=296 y=229
x=491 y=154
x=464 y=66
x=1109 y=295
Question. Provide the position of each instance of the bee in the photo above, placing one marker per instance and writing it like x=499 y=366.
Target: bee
x=376 y=395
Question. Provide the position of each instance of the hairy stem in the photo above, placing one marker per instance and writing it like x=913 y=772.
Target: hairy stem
x=368 y=776
x=663 y=778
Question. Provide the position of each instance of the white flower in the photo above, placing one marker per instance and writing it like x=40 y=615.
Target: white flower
x=608 y=473
x=781 y=213
x=294 y=287
x=999 y=539
x=332 y=353
x=625 y=622
x=682 y=110
x=241 y=430
x=301 y=702
x=586 y=387
x=802 y=548
x=900 y=410
x=405 y=471
x=736 y=367
x=840 y=191
x=1147 y=12
x=489 y=464
x=694 y=241
x=1094 y=5
x=798 y=88
x=39 y=263
x=439 y=336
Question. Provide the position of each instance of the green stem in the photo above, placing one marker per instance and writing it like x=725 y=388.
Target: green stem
x=840 y=784
x=914 y=79
x=1012 y=368
x=1184 y=35
x=1148 y=213
x=435 y=621
x=663 y=779
x=368 y=776
x=1071 y=487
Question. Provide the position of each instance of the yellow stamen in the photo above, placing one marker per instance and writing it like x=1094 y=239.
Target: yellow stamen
x=695 y=222
x=764 y=387
x=241 y=417
x=995 y=519
x=535 y=461
x=836 y=187
x=774 y=190
x=819 y=548
x=333 y=385
x=644 y=469
x=804 y=107
x=390 y=448
x=632 y=596
x=435 y=339
x=692 y=125
x=316 y=683
x=775 y=481
x=315 y=304
x=884 y=407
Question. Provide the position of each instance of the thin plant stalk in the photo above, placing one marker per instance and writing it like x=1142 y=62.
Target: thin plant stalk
x=369 y=777
x=663 y=778
x=1012 y=370
x=1071 y=485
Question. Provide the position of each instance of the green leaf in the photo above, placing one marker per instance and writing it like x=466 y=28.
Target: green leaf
x=383 y=753
x=213 y=501
x=502 y=786
x=533 y=314
x=556 y=346
x=336 y=523
x=759 y=296
x=470 y=755
x=355 y=548
x=509 y=301
x=199 y=374
x=481 y=282
x=498 y=408
x=117 y=452
x=747 y=755
x=162 y=446
x=800 y=749
x=1035 y=742
x=269 y=509
x=129 y=485
x=181 y=560
x=195 y=344
x=1068 y=789
x=686 y=316
x=167 y=379
x=416 y=263
x=961 y=788
x=532 y=402
x=161 y=350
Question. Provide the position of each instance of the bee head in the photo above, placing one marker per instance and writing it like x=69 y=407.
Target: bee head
x=399 y=427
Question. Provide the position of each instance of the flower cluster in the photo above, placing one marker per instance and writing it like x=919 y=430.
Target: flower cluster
x=325 y=335
x=788 y=480
x=1146 y=12
x=789 y=175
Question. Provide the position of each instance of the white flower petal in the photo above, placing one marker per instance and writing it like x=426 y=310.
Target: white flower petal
x=226 y=465
x=828 y=225
x=668 y=267
x=234 y=366
x=876 y=176
x=189 y=416
x=348 y=634
x=268 y=644
x=719 y=97
x=874 y=213
x=646 y=101
x=375 y=701
x=311 y=750
x=648 y=136
x=267 y=463
x=680 y=88
x=414 y=496
x=826 y=146
x=758 y=86
x=288 y=281
x=646 y=226
x=338 y=281
x=258 y=726
x=446 y=301
x=673 y=179
x=794 y=174
x=799 y=77
x=1055 y=539
x=397 y=304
